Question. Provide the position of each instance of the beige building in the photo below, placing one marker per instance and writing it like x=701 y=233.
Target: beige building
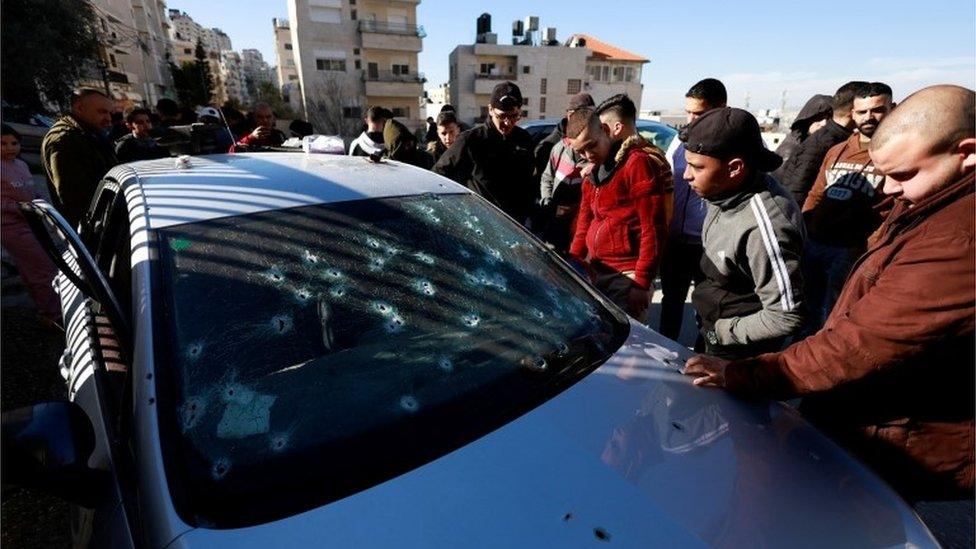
x=134 y=41
x=231 y=84
x=286 y=69
x=547 y=75
x=351 y=54
x=184 y=33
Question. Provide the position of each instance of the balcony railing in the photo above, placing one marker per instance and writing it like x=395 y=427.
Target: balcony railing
x=383 y=27
x=390 y=76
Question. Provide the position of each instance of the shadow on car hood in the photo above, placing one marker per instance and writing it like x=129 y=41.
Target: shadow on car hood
x=633 y=455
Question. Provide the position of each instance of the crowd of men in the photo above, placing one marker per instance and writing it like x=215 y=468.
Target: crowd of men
x=839 y=268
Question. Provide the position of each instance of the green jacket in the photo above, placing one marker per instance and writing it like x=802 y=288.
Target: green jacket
x=75 y=161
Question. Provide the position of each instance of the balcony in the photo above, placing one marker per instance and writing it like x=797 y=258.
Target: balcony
x=391 y=36
x=485 y=83
x=388 y=84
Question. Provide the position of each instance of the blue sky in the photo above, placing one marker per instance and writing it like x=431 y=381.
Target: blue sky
x=756 y=47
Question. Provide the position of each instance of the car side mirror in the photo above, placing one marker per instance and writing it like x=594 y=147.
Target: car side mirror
x=47 y=446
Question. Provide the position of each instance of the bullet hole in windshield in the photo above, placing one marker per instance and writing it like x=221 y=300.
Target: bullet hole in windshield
x=311 y=258
x=538 y=314
x=376 y=263
x=471 y=320
x=493 y=256
x=382 y=308
x=191 y=411
x=394 y=324
x=424 y=287
x=373 y=243
x=279 y=442
x=445 y=364
x=220 y=468
x=601 y=534
x=275 y=275
x=536 y=363
x=194 y=351
x=409 y=403
x=281 y=324
x=303 y=294
x=424 y=258
x=334 y=274
x=338 y=291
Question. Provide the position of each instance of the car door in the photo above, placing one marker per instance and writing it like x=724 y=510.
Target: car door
x=93 y=269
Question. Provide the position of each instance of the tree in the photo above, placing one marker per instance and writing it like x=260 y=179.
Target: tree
x=206 y=81
x=268 y=93
x=48 y=46
x=330 y=107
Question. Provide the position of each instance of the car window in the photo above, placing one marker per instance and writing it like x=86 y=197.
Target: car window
x=659 y=134
x=316 y=351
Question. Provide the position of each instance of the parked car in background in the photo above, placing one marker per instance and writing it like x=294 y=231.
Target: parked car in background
x=655 y=132
x=294 y=350
x=32 y=127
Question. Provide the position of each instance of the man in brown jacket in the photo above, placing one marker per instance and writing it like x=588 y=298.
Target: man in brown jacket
x=891 y=374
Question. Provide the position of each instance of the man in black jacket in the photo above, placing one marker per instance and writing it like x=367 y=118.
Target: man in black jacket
x=495 y=159
x=798 y=173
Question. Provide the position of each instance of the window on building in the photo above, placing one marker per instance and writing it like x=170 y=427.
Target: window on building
x=355 y=51
x=373 y=70
x=542 y=105
x=338 y=65
x=352 y=2
x=542 y=86
x=289 y=62
x=453 y=72
x=111 y=59
x=630 y=74
x=288 y=46
x=487 y=68
x=525 y=100
x=187 y=51
x=352 y=112
x=573 y=86
x=618 y=74
x=359 y=64
x=292 y=77
x=321 y=14
x=401 y=69
x=352 y=14
x=606 y=73
x=526 y=69
x=401 y=112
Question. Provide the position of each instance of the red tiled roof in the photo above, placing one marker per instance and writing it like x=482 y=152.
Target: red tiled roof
x=607 y=51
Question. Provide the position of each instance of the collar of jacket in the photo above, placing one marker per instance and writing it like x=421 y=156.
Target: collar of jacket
x=907 y=214
x=836 y=129
x=755 y=184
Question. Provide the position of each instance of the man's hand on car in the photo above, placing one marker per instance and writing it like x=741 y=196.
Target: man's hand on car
x=708 y=370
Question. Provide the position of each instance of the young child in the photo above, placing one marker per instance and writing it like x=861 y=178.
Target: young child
x=36 y=269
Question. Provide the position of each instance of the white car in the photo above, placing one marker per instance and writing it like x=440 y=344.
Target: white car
x=290 y=350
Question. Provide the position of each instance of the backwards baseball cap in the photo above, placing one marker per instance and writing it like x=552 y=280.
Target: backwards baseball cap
x=727 y=133
x=208 y=111
x=580 y=100
x=506 y=96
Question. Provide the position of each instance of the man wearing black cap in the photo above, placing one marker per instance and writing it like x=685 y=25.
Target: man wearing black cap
x=750 y=300
x=560 y=180
x=371 y=140
x=494 y=159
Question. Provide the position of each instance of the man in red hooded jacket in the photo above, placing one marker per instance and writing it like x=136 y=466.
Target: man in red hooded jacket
x=622 y=222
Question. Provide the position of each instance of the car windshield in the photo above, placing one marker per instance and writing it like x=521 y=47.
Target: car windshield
x=316 y=351
x=659 y=134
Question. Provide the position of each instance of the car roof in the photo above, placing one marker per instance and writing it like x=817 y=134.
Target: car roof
x=200 y=188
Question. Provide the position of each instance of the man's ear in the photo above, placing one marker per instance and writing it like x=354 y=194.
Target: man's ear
x=967 y=148
x=607 y=129
x=736 y=167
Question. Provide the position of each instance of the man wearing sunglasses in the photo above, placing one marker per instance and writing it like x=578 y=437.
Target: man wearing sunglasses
x=495 y=159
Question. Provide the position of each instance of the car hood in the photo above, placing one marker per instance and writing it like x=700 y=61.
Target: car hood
x=633 y=454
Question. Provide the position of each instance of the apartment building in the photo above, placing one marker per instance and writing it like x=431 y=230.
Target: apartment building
x=231 y=84
x=184 y=35
x=286 y=70
x=547 y=74
x=351 y=54
x=256 y=70
x=133 y=34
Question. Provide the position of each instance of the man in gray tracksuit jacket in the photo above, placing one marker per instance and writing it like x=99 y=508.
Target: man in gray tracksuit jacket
x=751 y=298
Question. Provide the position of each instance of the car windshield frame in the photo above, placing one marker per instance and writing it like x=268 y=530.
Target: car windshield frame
x=202 y=482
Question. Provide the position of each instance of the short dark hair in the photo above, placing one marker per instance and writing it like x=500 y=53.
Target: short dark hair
x=378 y=113
x=579 y=120
x=83 y=93
x=7 y=130
x=711 y=91
x=844 y=96
x=447 y=117
x=132 y=113
x=872 y=89
x=167 y=107
x=620 y=105
x=448 y=108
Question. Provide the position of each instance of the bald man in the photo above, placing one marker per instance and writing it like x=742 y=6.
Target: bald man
x=77 y=152
x=891 y=373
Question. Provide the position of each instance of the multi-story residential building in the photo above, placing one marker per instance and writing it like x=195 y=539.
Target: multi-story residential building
x=231 y=84
x=256 y=70
x=134 y=48
x=286 y=70
x=184 y=35
x=548 y=75
x=350 y=54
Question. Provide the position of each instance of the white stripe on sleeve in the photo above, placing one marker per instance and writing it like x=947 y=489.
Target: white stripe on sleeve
x=775 y=255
